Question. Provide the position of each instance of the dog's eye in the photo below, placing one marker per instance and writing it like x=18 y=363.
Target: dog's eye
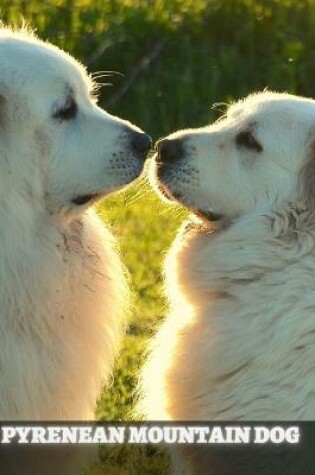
x=246 y=139
x=68 y=111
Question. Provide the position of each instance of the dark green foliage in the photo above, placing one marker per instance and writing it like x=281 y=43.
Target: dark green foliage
x=210 y=51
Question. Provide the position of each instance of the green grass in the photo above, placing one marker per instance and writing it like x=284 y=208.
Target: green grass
x=145 y=228
x=132 y=460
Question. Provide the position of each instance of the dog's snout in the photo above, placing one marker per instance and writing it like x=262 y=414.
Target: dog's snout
x=141 y=142
x=169 y=150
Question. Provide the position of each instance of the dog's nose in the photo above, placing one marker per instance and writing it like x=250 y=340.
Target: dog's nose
x=141 y=142
x=168 y=150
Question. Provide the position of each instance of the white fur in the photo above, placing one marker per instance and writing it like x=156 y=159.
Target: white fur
x=239 y=342
x=63 y=295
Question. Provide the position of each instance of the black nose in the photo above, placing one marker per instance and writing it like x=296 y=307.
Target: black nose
x=169 y=150
x=141 y=142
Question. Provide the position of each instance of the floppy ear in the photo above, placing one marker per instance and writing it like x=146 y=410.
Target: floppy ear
x=307 y=182
x=297 y=218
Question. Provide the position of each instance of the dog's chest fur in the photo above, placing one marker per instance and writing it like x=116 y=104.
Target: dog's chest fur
x=61 y=317
x=243 y=326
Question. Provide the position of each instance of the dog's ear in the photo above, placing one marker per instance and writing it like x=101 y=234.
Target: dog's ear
x=298 y=217
x=307 y=181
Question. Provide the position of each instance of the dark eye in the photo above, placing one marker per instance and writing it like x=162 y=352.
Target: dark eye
x=247 y=140
x=68 y=111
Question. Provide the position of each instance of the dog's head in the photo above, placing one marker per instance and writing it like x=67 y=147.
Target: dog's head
x=260 y=153
x=57 y=147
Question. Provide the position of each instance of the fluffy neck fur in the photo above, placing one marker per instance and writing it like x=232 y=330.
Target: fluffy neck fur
x=239 y=341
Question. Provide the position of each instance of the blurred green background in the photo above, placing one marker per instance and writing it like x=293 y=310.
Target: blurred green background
x=175 y=59
x=180 y=56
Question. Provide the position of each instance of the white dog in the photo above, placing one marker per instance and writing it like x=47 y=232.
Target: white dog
x=239 y=342
x=62 y=287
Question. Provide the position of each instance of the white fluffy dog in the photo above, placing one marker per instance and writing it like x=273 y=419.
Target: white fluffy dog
x=239 y=342
x=62 y=287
